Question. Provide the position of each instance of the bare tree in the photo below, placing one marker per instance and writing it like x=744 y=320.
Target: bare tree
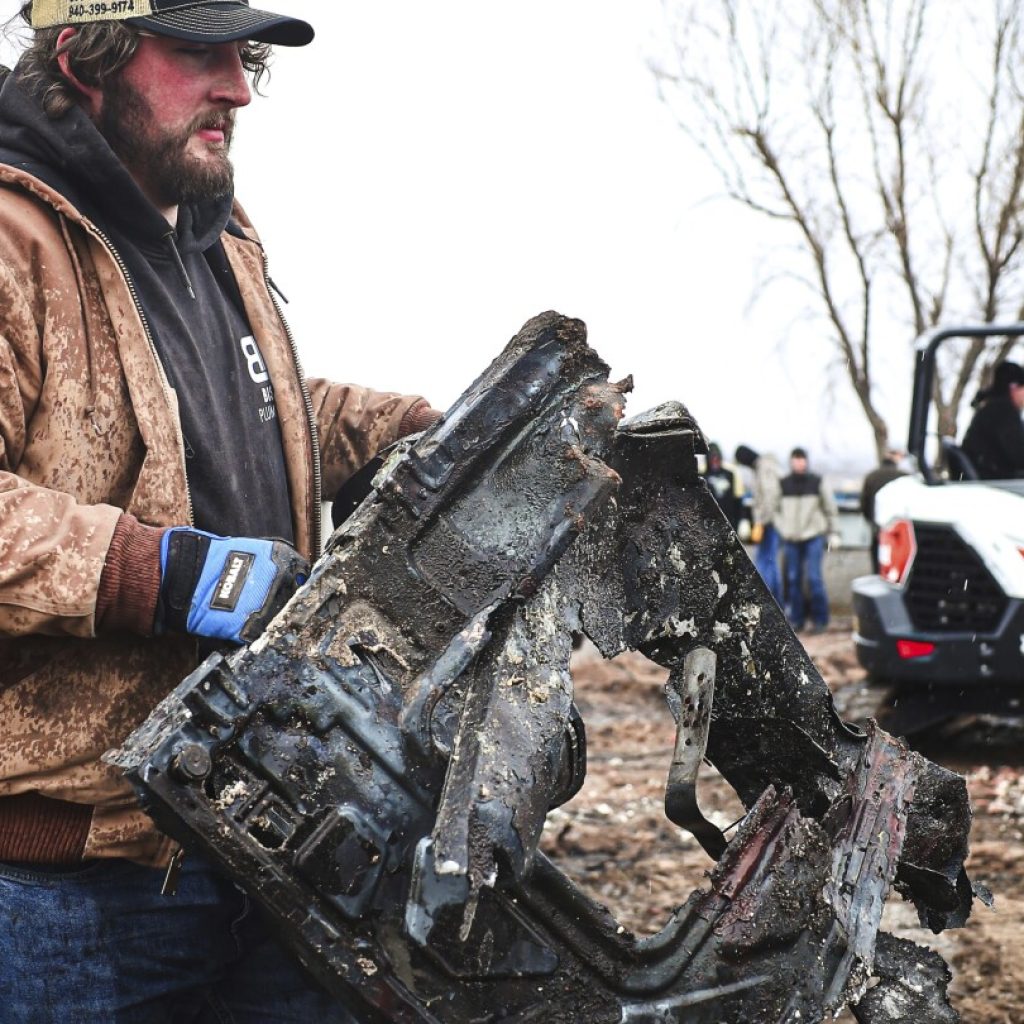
x=888 y=135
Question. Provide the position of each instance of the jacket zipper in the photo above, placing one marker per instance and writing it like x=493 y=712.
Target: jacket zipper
x=168 y=390
x=310 y=416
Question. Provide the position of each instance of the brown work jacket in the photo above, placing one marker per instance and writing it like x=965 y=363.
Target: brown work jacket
x=89 y=429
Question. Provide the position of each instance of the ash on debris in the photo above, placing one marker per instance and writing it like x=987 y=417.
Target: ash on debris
x=614 y=840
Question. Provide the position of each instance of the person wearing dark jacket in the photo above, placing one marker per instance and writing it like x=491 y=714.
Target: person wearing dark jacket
x=722 y=483
x=994 y=441
x=887 y=471
x=162 y=466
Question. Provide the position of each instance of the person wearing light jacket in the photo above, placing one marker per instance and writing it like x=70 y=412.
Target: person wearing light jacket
x=162 y=465
x=767 y=494
x=808 y=522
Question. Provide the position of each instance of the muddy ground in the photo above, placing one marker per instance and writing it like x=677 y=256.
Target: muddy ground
x=614 y=840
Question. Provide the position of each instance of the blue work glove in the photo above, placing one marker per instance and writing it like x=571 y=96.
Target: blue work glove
x=225 y=588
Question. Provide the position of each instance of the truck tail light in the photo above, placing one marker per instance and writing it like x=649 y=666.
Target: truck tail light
x=896 y=550
x=908 y=649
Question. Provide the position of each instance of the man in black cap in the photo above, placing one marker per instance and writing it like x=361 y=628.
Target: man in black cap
x=994 y=441
x=162 y=465
x=767 y=494
x=722 y=483
x=196 y=21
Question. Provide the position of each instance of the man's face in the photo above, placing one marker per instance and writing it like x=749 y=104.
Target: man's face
x=798 y=464
x=169 y=116
x=1017 y=395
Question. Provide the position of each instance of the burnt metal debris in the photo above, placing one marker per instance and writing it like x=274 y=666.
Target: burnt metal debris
x=376 y=769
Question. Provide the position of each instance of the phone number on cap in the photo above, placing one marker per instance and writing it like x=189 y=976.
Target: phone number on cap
x=90 y=10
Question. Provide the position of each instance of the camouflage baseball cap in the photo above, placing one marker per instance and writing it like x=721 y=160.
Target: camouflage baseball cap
x=198 y=21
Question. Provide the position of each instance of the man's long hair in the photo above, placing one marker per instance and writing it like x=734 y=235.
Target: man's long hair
x=97 y=52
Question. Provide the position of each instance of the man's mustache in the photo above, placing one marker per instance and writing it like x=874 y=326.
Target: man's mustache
x=214 y=122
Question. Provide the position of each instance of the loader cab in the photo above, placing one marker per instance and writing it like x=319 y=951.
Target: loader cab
x=942 y=621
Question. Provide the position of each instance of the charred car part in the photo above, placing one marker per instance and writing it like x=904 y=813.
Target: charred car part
x=376 y=769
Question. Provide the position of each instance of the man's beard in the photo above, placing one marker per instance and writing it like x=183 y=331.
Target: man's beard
x=159 y=159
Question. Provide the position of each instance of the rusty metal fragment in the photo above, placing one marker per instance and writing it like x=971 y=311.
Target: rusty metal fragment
x=691 y=696
x=376 y=769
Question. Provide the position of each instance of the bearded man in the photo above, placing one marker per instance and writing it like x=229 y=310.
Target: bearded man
x=155 y=427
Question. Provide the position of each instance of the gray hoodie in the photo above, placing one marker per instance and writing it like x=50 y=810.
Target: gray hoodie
x=767 y=489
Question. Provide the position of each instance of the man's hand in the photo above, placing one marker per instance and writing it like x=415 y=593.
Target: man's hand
x=225 y=588
x=835 y=542
x=757 y=533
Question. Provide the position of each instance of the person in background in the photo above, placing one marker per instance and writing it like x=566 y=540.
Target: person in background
x=887 y=471
x=767 y=493
x=162 y=465
x=722 y=482
x=808 y=523
x=994 y=441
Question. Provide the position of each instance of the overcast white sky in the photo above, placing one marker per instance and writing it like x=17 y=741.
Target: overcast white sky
x=428 y=176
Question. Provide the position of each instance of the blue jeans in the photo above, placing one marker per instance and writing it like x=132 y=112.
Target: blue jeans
x=98 y=944
x=803 y=562
x=766 y=561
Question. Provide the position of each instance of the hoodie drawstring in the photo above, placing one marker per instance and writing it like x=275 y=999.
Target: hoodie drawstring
x=169 y=239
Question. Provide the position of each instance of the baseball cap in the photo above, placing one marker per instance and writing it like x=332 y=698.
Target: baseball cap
x=197 y=21
x=746 y=456
x=1007 y=373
